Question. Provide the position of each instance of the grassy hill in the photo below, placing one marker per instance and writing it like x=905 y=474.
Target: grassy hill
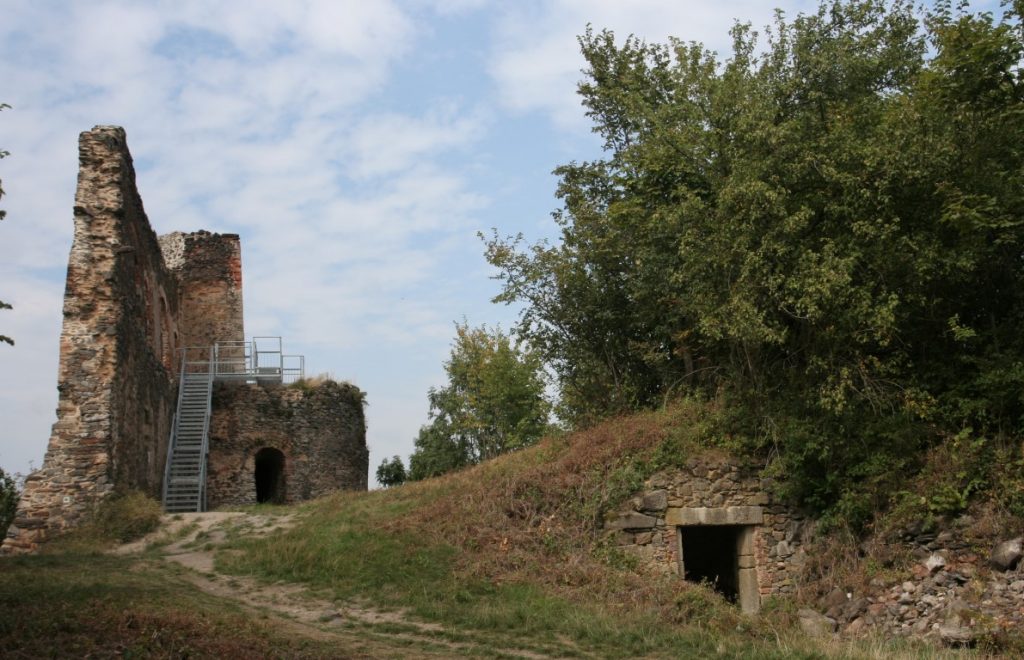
x=505 y=559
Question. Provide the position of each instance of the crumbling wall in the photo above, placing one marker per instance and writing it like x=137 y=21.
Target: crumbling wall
x=118 y=339
x=708 y=491
x=131 y=302
x=208 y=268
x=320 y=428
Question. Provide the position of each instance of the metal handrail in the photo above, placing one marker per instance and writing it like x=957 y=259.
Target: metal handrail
x=246 y=360
x=174 y=427
x=226 y=360
x=205 y=448
x=170 y=453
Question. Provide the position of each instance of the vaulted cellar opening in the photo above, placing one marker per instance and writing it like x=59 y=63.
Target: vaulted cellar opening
x=270 y=481
x=713 y=549
x=711 y=554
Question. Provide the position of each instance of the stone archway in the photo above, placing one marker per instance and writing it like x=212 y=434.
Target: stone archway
x=270 y=476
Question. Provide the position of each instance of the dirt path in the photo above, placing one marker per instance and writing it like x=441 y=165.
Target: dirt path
x=191 y=540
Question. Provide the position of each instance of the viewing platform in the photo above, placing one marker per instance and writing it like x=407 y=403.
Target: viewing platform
x=259 y=360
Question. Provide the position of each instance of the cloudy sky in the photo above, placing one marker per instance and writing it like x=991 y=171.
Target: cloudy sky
x=356 y=147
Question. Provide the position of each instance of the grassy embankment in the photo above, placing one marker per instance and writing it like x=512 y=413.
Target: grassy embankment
x=507 y=557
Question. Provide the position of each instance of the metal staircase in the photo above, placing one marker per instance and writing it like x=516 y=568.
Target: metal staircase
x=185 y=472
x=260 y=360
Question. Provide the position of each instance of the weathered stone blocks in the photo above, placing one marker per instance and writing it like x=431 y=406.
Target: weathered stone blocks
x=715 y=492
x=116 y=394
x=319 y=428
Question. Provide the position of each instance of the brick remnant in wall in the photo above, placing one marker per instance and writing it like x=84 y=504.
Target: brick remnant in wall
x=319 y=428
x=208 y=268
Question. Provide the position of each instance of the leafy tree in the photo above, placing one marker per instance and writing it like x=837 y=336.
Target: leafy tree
x=493 y=403
x=827 y=231
x=3 y=214
x=9 y=493
x=391 y=472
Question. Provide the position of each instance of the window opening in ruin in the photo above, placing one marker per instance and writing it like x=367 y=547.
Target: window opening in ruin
x=710 y=553
x=270 y=485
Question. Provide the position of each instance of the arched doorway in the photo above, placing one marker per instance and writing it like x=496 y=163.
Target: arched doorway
x=270 y=483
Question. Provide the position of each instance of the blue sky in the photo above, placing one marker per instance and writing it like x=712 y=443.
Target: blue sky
x=356 y=147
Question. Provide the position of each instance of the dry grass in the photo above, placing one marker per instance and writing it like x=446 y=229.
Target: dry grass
x=537 y=514
x=516 y=544
x=99 y=606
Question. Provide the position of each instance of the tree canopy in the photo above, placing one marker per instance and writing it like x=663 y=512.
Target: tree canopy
x=391 y=472
x=493 y=403
x=824 y=228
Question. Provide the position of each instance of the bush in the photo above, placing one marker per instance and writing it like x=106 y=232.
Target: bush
x=9 y=494
x=391 y=472
x=127 y=516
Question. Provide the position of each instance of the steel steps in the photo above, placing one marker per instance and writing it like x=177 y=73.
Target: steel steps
x=185 y=473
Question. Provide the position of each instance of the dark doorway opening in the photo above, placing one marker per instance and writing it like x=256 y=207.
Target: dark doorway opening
x=270 y=476
x=711 y=554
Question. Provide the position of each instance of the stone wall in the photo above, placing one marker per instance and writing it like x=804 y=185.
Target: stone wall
x=118 y=338
x=319 y=428
x=208 y=268
x=715 y=491
x=131 y=302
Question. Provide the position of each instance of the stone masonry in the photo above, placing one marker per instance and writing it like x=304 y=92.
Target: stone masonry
x=714 y=492
x=319 y=429
x=118 y=338
x=208 y=268
x=131 y=302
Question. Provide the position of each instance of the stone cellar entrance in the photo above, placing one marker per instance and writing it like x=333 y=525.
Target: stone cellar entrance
x=270 y=481
x=710 y=555
x=716 y=545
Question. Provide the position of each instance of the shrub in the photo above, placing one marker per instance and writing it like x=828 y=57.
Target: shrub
x=127 y=516
x=9 y=493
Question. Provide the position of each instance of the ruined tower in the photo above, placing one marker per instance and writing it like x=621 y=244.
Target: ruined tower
x=132 y=303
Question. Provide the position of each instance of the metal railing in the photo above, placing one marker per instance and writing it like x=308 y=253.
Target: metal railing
x=260 y=359
x=190 y=365
x=170 y=453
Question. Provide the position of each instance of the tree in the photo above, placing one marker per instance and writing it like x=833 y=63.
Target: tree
x=3 y=214
x=494 y=403
x=828 y=231
x=391 y=472
x=9 y=493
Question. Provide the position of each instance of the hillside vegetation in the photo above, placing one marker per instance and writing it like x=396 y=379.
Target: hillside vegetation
x=822 y=230
x=502 y=559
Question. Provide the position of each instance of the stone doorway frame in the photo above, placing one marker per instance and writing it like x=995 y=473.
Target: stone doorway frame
x=748 y=519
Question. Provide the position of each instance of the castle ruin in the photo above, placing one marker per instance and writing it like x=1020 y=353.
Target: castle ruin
x=148 y=323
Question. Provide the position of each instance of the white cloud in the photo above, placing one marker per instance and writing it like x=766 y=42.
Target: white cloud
x=353 y=187
x=388 y=143
x=536 y=63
